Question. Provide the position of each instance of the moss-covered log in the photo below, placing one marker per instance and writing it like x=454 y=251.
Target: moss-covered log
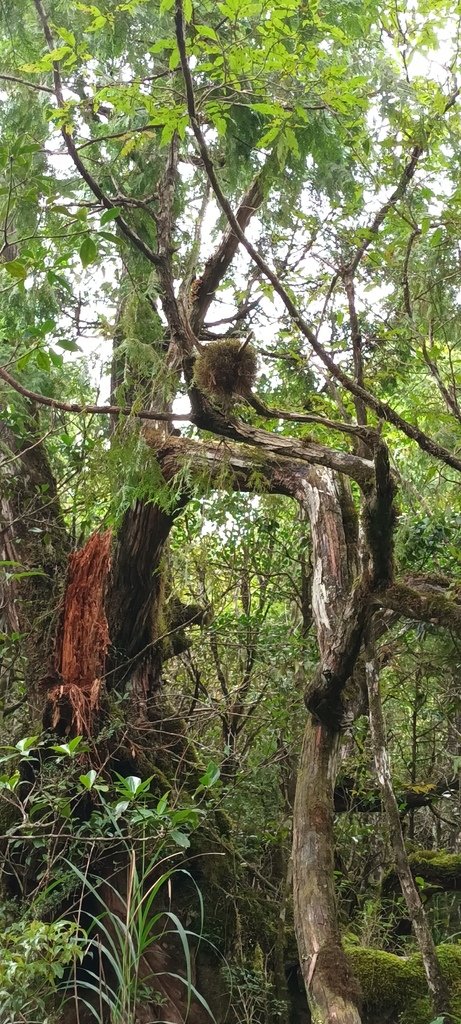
x=436 y=867
x=394 y=988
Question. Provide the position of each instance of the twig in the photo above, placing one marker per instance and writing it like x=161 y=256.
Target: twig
x=6 y=243
x=23 y=81
x=383 y=410
x=96 y=410
x=108 y=203
x=405 y=282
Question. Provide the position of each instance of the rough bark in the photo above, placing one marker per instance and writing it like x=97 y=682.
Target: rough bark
x=74 y=684
x=332 y=992
x=436 y=983
x=30 y=589
x=134 y=598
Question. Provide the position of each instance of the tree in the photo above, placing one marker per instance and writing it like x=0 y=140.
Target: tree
x=144 y=148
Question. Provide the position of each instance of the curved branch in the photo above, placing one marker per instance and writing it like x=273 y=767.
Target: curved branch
x=368 y=434
x=217 y=265
x=382 y=410
x=72 y=150
x=308 y=451
x=30 y=85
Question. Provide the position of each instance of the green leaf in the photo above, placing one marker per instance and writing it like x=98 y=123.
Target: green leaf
x=436 y=238
x=180 y=838
x=16 y=269
x=120 y=808
x=211 y=775
x=167 y=133
x=89 y=779
x=88 y=251
x=162 y=805
x=47 y=326
x=55 y=357
x=25 y=745
x=64 y=33
x=163 y=44
x=68 y=345
x=112 y=214
x=209 y=33
x=43 y=360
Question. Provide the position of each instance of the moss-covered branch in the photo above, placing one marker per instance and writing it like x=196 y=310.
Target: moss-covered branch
x=435 y=867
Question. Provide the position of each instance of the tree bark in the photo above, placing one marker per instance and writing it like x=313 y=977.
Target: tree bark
x=332 y=992
x=331 y=989
x=437 y=988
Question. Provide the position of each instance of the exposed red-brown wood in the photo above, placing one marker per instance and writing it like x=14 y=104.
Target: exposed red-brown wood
x=82 y=641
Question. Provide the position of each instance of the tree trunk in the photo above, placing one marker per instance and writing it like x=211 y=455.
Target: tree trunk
x=332 y=991
x=436 y=984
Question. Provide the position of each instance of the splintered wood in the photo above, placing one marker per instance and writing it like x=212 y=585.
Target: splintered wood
x=82 y=641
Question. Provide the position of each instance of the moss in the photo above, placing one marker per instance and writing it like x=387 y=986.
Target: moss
x=226 y=369
x=420 y=1012
x=395 y=987
x=439 y=868
x=438 y=861
x=335 y=965
x=224 y=822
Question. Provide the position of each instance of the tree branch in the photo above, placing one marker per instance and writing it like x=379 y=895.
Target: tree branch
x=383 y=410
x=368 y=801
x=218 y=264
x=95 y=410
x=72 y=150
x=429 y=605
x=30 y=85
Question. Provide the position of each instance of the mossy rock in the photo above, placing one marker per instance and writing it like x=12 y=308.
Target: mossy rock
x=394 y=988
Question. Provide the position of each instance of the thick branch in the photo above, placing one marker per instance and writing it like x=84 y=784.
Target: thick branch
x=358 y=469
x=383 y=410
x=430 y=605
x=218 y=264
x=369 y=801
x=438 y=867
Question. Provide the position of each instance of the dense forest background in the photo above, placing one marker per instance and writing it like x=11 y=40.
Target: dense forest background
x=230 y=446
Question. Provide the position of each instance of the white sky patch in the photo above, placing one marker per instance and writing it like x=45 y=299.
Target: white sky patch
x=97 y=346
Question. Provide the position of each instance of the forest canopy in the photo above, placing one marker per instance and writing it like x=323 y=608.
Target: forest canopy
x=230 y=566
